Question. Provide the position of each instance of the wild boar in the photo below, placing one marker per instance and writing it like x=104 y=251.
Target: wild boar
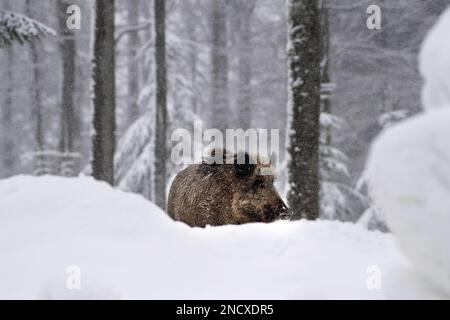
x=226 y=193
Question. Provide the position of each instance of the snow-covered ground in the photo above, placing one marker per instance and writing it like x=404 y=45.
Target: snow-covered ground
x=125 y=247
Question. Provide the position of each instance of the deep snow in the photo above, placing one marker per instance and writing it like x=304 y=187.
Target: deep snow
x=128 y=248
x=409 y=171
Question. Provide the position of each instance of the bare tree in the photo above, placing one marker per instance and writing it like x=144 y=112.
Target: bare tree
x=161 y=104
x=244 y=11
x=7 y=114
x=104 y=93
x=7 y=118
x=304 y=68
x=68 y=118
x=133 y=79
x=219 y=66
x=36 y=101
x=191 y=25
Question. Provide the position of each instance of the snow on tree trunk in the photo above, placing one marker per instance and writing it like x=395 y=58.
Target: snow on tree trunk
x=304 y=68
x=219 y=67
x=326 y=86
x=104 y=93
x=161 y=104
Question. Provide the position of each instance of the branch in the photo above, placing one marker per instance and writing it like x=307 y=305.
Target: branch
x=17 y=27
x=134 y=28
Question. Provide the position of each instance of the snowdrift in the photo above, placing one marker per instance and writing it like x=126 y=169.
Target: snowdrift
x=409 y=167
x=126 y=248
x=434 y=61
x=409 y=171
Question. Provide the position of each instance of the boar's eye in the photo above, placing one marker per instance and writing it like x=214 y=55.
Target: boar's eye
x=258 y=184
x=243 y=169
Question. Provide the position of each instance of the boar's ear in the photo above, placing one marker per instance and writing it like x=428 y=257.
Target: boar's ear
x=212 y=160
x=216 y=156
x=242 y=165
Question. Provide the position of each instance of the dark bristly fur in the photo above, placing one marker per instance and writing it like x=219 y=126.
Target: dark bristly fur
x=219 y=194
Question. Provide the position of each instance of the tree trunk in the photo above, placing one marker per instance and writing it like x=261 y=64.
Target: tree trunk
x=40 y=164
x=133 y=77
x=304 y=65
x=68 y=117
x=191 y=28
x=68 y=83
x=35 y=95
x=6 y=131
x=219 y=62
x=146 y=72
x=161 y=107
x=244 y=97
x=104 y=93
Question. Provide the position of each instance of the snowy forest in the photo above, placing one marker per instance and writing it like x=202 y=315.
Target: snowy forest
x=92 y=94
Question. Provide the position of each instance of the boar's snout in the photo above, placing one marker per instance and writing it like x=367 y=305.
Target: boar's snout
x=276 y=211
x=283 y=211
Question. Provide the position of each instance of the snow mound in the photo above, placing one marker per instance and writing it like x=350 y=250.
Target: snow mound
x=409 y=168
x=122 y=246
x=435 y=63
x=410 y=178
